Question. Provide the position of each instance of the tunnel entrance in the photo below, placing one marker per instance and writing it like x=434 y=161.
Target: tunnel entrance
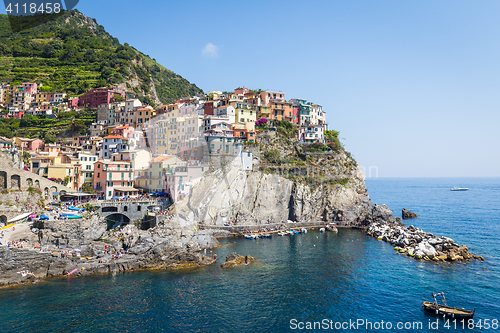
x=115 y=220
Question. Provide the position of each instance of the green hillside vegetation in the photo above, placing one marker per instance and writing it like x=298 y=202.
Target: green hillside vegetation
x=72 y=54
x=69 y=123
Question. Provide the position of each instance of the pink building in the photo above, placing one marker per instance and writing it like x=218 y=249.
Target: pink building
x=241 y=91
x=272 y=97
x=28 y=144
x=124 y=130
x=114 y=179
x=73 y=102
x=31 y=88
x=94 y=98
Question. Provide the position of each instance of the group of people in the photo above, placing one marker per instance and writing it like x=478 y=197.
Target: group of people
x=19 y=244
x=67 y=254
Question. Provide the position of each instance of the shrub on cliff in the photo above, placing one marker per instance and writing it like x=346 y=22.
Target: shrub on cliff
x=33 y=190
x=333 y=138
x=286 y=129
x=273 y=156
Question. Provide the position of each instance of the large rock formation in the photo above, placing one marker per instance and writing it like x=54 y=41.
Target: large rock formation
x=271 y=197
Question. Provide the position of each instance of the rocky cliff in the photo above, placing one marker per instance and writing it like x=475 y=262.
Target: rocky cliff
x=298 y=186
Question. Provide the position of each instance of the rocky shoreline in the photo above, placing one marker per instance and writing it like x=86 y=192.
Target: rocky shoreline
x=416 y=243
x=84 y=247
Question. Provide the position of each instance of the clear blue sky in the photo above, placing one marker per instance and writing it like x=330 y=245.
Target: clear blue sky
x=412 y=86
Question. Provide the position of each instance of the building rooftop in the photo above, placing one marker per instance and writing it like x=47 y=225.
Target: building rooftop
x=115 y=137
x=161 y=158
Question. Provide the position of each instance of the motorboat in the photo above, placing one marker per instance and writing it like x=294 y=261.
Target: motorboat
x=459 y=189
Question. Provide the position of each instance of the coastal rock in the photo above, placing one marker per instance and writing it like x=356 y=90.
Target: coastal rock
x=237 y=260
x=418 y=244
x=407 y=214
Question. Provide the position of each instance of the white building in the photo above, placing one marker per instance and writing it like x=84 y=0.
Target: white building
x=227 y=111
x=246 y=160
x=87 y=161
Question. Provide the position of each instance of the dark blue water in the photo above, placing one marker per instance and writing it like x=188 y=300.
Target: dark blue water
x=310 y=278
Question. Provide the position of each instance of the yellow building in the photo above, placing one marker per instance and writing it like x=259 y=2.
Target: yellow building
x=246 y=114
x=153 y=178
x=164 y=131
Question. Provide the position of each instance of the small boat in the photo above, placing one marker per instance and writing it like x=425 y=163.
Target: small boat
x=459 y=189
x=304 y=230
x=445 y=310
x=76 y=209
x=322 y=230
x=296 y=232
x=249 y=236
x=266 y=235
x=282 y=233
x=75 y=216
x=19 y=218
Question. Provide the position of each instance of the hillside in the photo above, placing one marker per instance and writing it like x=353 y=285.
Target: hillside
x=72 y=53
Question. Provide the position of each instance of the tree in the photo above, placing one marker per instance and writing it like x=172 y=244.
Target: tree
x=87 y=187
x=77 y=126
x=273 y=155
x=333 y=138
x=29 y=120
x=49 y=137
x=26 y=158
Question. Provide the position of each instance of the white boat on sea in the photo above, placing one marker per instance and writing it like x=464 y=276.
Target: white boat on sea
x=459 y=189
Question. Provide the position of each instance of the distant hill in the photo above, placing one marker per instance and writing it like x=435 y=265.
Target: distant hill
x=72 y=53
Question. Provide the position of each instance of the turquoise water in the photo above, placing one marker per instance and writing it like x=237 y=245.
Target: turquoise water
x=310 y=278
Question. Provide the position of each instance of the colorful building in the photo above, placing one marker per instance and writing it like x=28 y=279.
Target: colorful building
x=95 y=97
x=114 y=179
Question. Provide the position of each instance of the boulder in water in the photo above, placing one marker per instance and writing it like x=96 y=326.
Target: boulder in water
x=407 y=214
x=237 y=260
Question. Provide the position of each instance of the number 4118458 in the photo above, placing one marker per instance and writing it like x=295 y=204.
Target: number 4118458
x=33 y=8
x=471 y=324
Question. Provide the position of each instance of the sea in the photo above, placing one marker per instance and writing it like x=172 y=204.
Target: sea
x=316 y=282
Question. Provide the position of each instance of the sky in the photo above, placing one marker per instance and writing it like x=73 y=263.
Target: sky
x=412 y=86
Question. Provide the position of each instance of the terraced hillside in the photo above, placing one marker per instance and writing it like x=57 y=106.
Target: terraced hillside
x=72 y=53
